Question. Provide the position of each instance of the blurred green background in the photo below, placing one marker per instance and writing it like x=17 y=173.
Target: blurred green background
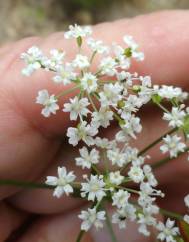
x=21 y=18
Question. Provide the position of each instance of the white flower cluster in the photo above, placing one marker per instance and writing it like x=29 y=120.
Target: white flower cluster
x=110 y=93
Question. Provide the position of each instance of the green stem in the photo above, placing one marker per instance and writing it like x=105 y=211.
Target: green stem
x=80 y=236
x=171 y=214
x=105 y=161
x=166 y=159
x=95 y=169
x=163 y=108
x=156 y=141
x=92 y=103
x=34 y=185
x=25 y=184
x=65 y=92
x=110 y=228
x=92 y=57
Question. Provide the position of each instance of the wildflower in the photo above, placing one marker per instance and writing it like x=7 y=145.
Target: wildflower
x=116 y=178
x=55 y=61
x=128 y=212
x=81 y=61
x=132 y=125
x=172 y=145
x=111 y=94
x=64 y=74
x=33 y=58
x=62 y=183
x=82 y=132
x=145 y=219
x=170 y=92
x=139 y=56
x=136 y=174
x=90 y=217
x=87 y=157
x=104 y=143
x=149 y=175
x=89 y=82
x=94 y=188
x=175 y=118
x=97 y=46
x=120 y=198
x=120 y=57
x=76 y=31
x=50 y=103
x=102 y=117
x=167 y=231
x=108 y=66
x=116 y=157
x=77 y=107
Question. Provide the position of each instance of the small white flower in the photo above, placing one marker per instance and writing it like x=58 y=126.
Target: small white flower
x=132 y=125
x=136 y=174
x=94 y=188
x=55 y=61
x=64 y=74
x=120 y=198
x=186 y=200
x=81 y=61
x=87 y=157
x=102 y=117
x=108 y=66
x=116 y=157
x=111 y=94
x=33 y=58
x=82 y=132
x=76 y=31
x=175 y=118
x=90 y=217
x=116 y=178
x=145 y=219
x=167 y=231
x=132 y=104
x=89 y=82
x=50 y=103
x=77 y=107
x=104 y=143
x=97 y=46
x=139 y=56
x=120 y=57
x=62 y=182
x=170 y=92
x=128 y=212
x=147 y=197
x=149 y=175
x=173 y=145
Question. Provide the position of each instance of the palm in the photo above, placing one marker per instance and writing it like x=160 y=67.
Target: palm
x=32 y=147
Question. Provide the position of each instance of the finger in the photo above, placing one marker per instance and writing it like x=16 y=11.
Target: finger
x=10 y=220
x=42 y=200
x=57 y=228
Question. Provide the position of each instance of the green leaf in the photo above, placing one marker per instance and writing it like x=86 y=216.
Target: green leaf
x=184 y=230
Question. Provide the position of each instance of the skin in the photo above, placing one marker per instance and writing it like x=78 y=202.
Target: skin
x=32 y=147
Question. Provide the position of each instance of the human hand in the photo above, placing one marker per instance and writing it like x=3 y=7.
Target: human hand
x=32 y=147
